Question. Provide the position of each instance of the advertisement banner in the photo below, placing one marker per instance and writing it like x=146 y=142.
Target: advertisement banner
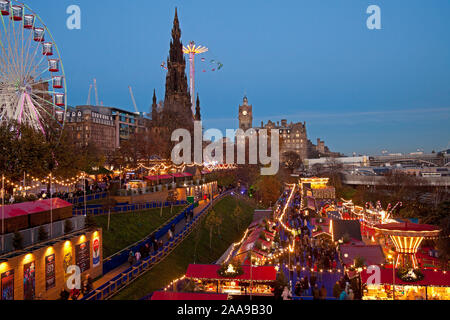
x=96 y=252
x=29 y=272
x=50 y=280
x=67 y=261
x=82 y=256
x=7 y=279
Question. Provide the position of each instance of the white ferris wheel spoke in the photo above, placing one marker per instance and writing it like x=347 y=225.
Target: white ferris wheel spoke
x=26 y=88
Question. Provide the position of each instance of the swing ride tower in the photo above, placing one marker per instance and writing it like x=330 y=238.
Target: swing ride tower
x=192 y=49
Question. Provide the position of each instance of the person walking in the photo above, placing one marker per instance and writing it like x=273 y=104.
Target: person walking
x=137 y=256
x=351 y=295
x=313 y=280
x=323 y=292
x=343 y=295
x=285 y=293
x=131 y=258
x=170 y=234
x=155 y=244
x=336 y=290
x=316 y=292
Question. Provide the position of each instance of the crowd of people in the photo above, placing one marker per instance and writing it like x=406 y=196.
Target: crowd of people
x=77 y=293
x=313 y=255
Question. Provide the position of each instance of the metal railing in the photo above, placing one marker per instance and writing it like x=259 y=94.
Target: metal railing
x=121 y=257
x=99 y=210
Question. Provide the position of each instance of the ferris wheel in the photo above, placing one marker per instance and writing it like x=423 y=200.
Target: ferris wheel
x=32 y=80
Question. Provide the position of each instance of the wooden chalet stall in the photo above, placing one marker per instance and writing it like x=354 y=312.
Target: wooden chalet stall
x=25 y=215
x=257 y=280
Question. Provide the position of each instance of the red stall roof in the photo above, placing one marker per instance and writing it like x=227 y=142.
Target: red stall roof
x=178 y=175
x=431 y=278
x=209 y=271
x=168 y=295
x=162 y=177
x=25 y=208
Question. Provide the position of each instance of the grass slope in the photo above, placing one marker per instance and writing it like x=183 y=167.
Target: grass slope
x=129 y=227
x=175 y=265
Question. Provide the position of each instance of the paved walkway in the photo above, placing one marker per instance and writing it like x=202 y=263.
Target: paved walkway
x=178 y=227
x=328 y=279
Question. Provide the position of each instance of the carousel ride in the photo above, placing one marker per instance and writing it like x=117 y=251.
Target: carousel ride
x=407 y=238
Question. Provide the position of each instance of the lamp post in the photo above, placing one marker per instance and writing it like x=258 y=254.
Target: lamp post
x=251 y=282
x=3 y=212
x=393 y=276
x=51 y=206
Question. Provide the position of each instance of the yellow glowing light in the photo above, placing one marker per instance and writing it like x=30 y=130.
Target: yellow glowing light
x=28 y=257
x=192 y=48
x=67 y=244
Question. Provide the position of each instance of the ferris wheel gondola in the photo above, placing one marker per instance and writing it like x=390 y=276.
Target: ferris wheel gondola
x=32 y=81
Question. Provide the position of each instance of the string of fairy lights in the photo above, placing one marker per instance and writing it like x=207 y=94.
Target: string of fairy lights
x=69 y=182
x=36 y=182
x=166 y=167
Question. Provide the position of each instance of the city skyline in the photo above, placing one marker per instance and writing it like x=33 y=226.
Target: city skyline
x=385 y=89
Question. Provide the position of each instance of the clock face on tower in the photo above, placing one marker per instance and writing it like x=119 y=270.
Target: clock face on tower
x=244 y=112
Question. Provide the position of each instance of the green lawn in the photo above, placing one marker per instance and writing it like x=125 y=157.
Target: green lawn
x=175 y=265
x=127 y=228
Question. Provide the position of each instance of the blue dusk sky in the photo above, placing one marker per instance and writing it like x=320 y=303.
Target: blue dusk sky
x=360 y=90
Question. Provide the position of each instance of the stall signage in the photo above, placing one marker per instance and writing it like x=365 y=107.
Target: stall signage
x=50 y=280
x=82 y=256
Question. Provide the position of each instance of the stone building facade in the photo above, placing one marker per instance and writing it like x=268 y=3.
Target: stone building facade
x=293 y=136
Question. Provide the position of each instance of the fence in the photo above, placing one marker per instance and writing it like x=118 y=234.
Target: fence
x=30 y=236
x=121 y=257
x=97 y=209
x=132 y=273
x=89 y=197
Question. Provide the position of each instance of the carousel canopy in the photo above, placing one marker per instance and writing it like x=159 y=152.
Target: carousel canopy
x=431 y=278
x=25 y=208
x=188 y=296
x=209 y=271
x=408 y=229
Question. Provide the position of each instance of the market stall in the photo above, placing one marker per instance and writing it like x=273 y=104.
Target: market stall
x=257 y=280
x=187 y=296
x=435 y=285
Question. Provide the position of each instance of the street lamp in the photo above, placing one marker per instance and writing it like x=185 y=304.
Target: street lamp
x=3 y=212
x=390 y=257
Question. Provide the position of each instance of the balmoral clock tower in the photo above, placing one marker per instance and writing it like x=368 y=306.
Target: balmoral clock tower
x=245 y=115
